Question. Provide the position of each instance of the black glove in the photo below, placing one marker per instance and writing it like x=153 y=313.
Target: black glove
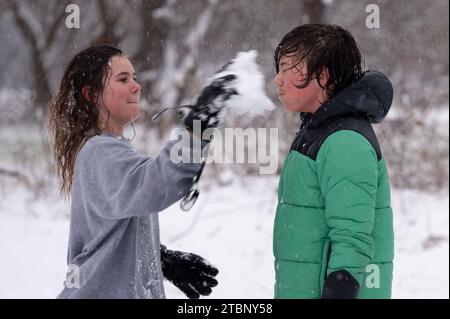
x=209 y=103
x=340 y=285
x=190 y=273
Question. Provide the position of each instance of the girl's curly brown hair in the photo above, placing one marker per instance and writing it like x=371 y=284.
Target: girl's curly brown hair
x=72 y=117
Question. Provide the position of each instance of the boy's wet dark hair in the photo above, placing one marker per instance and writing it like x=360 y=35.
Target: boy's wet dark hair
x=319 y=46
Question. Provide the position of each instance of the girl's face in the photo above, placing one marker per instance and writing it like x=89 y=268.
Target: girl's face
x=120 y=96
x=294 y=99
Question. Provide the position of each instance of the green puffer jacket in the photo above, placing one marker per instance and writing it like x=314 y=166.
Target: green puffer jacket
x=334 y=214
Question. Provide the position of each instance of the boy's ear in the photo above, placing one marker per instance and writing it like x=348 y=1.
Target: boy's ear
x=85 y=91
x=324 y=76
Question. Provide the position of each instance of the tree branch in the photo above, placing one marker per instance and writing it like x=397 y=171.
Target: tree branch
x=14 y=174
x=185 y=66
x=109 y=20
x=56 y=23
x=21 y=22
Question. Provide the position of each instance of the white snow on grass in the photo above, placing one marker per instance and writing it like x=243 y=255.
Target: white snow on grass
x=229 y=225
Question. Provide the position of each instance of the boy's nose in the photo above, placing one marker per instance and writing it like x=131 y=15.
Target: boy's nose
x=277 y=80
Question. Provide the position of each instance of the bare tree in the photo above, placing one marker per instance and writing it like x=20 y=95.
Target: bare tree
x=109 y=17
x=37 y=44
x=314 y=10
x=170 y=61
x=40 y=33
x=152 y=36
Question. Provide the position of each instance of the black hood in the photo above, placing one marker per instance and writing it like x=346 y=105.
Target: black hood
x=370 y=97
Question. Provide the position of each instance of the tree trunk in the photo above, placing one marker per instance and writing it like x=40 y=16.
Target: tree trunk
x=315 y=9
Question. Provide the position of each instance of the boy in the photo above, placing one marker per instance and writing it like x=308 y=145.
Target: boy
x=333 y=232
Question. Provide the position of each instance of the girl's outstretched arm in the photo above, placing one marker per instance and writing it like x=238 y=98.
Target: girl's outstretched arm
x=119 y=182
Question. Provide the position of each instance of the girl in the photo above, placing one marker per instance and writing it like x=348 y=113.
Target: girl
x=116 y=193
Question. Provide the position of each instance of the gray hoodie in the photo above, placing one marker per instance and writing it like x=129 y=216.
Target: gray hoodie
x=114 y=243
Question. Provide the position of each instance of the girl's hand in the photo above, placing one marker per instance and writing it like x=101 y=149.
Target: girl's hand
x=190 y=273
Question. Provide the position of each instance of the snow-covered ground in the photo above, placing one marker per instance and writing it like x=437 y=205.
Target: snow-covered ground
x=229 y=225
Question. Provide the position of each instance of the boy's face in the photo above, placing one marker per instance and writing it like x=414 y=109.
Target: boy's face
x=292 y=74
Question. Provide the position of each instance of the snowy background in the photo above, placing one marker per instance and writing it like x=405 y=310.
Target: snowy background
x=175 y=46
x=231 y=226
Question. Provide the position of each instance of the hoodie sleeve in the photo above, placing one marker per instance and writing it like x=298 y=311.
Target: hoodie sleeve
x=348 y=173
x=118 y=182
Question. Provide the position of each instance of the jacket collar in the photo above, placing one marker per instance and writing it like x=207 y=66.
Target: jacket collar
x=370 y=97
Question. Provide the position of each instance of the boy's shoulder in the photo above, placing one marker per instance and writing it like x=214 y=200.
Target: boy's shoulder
x=346 y=141
x=353 y=132
x=345 y=129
